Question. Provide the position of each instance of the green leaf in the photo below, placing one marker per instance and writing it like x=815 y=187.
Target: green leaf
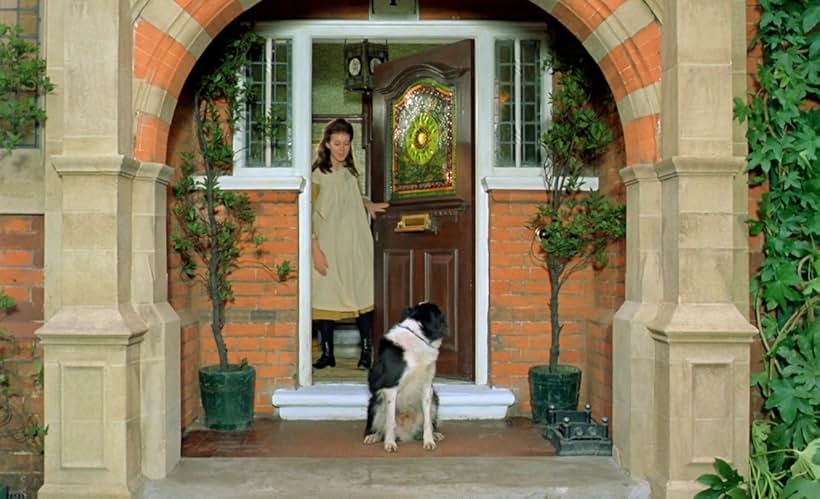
x=708 y=494
x=807 y=464
x=810 y=18
x=801 y=488
x=710 y=480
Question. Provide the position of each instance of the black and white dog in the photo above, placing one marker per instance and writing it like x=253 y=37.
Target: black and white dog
x=403 y=404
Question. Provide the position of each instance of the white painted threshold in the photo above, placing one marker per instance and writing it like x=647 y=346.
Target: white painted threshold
x=348 y=401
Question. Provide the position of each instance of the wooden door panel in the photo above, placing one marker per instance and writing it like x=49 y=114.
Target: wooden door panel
x=423 y=165
x=441 y=287
x=398 y=269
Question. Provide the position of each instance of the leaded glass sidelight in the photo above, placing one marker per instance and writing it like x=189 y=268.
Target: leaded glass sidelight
x=518 y=102
x=268 y=121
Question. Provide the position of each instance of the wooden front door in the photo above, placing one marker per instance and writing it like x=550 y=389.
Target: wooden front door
x=423 y=166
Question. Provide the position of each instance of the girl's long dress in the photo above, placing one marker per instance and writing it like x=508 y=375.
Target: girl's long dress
x=341 y=225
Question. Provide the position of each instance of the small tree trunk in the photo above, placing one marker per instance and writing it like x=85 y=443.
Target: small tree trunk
x=217 y=303
x=555 y=326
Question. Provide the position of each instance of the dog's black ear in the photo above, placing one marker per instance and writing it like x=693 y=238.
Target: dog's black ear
x=407 y=312
x=432 y=320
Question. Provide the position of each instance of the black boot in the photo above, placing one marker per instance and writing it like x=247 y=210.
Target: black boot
x=326 y=342
x=363 y=322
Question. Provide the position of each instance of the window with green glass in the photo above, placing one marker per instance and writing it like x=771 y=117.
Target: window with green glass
x=268 y=124
x=518 y=78
x=26 y=15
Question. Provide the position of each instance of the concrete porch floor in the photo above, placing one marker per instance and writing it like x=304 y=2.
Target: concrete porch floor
x=278 y=458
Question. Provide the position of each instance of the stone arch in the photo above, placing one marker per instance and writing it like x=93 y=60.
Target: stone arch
x=622 y=36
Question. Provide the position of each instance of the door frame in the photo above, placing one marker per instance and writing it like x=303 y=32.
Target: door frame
x=483 y=33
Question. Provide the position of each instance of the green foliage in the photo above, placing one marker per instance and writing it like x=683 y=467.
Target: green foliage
x=726 y=483
x=213 y=226
x=283 y=270
x=23 y=81
x=798 y=481
x=16 y=419
x=573 y=228
x=783 y=119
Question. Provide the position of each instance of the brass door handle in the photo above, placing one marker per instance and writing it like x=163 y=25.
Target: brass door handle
x=417 y=222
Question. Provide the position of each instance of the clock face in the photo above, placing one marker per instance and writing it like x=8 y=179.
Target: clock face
x=354 y=66
x=375 y=61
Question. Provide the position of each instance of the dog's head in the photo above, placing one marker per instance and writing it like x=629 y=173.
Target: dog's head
x=430 y=318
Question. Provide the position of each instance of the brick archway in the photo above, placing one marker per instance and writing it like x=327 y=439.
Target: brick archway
x=622 y=36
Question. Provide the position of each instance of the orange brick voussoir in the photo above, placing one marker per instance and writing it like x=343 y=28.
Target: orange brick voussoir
x=582 y=17
x=212 y=15
x=151 y=138
x=634 y=64
x=640 y=138
x=159 y=59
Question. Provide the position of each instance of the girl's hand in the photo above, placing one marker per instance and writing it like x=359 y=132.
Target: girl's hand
x=375 y=208
x=319 y=258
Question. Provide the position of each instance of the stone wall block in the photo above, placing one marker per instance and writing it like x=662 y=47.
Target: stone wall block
x=700 y=31
x=705 y=275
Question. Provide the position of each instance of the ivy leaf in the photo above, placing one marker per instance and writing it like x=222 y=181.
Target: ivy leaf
x=810 y=18
x=814 y=47
x=800 y=488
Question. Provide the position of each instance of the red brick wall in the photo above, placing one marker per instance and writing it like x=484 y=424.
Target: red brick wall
x=21 y=271
x=21 y=277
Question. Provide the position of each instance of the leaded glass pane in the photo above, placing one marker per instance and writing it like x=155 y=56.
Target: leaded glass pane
x=422 y=149
x=530 y=103
x=518 y=103
x=24 y=13
x=505 y=101
x=268 y=127
x=255 y=109
x=280 y=115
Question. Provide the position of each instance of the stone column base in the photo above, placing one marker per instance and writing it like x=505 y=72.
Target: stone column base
x=701 y=393
x=91 y=402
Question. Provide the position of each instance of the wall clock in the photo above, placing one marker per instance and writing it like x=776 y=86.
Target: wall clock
x=354 y=66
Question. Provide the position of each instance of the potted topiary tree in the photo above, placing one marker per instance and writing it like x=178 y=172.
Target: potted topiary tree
x=213 y=226
x=574 y=226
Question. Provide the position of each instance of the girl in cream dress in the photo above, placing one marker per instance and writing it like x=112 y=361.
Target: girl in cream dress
x=342 y=246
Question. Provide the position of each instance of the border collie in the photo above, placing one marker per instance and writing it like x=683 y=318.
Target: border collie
x=403 y=403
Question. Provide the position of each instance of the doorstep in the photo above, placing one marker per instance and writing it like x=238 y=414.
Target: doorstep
x=348 y=401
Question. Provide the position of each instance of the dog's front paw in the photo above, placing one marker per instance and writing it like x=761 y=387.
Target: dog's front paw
x=390 y=446
x=430 y=444
x=438 y=437
x=372 y=438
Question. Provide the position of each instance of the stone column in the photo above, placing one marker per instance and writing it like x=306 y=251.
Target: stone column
x=91 y=346
x=160 y=361
x=701 y=373
x=633 y=351
x=91 y=342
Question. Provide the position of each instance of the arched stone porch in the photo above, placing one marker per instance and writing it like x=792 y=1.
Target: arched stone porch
x=677 y=338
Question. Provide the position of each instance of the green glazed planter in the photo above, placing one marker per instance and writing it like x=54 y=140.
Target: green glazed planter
x=227 y=396
x=560 y=389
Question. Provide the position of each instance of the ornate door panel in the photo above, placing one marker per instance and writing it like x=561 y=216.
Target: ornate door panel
x=423 y=166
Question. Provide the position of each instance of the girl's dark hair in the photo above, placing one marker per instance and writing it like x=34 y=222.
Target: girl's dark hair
x=322 y=160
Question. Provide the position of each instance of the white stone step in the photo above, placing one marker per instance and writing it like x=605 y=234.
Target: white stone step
x=348 y=401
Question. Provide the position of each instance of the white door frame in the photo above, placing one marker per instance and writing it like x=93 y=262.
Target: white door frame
x=303 y=34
